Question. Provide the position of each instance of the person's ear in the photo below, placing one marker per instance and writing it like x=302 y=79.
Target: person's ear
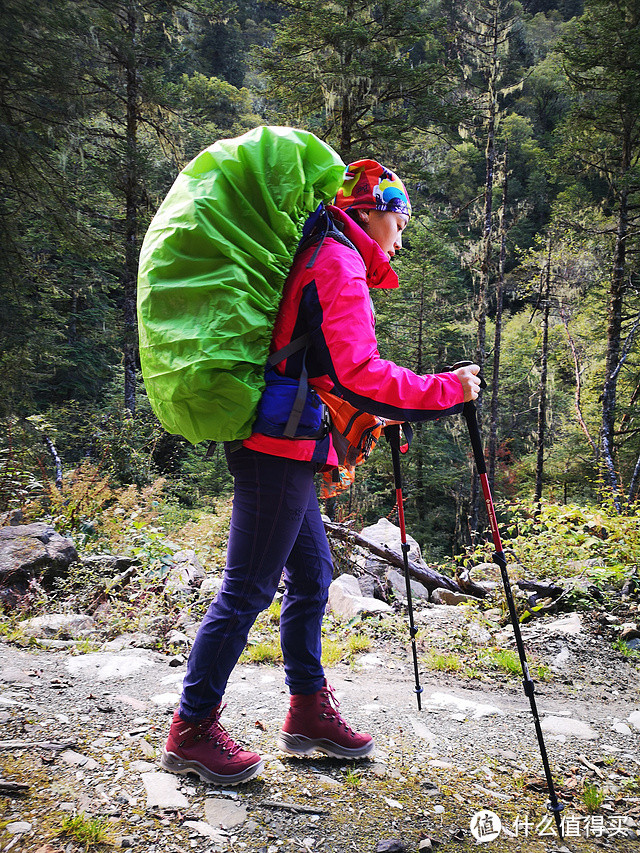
x=363 y=217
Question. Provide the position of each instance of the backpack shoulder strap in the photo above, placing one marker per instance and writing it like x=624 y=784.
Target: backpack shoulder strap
x=323 y=225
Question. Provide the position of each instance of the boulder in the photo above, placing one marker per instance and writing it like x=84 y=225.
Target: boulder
x=446 y=596
x=67 y=626
x=186 y=573
x=345 y=599
x=387 y=535
x=397 y=584
x=33 y=550
x=109 y=563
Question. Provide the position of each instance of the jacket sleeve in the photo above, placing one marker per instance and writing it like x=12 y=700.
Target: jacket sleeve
x=348 y=350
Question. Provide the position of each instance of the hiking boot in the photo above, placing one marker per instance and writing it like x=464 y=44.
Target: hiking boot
x=207 y=749
x=314 y=724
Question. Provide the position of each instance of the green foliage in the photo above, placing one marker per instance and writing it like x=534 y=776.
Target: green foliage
x=592 y=797
x=18 y=485
x=86 y=830
x=558 y=541
x=442 y=662
x=359 y=73
x=102 y=104
x=504 y=660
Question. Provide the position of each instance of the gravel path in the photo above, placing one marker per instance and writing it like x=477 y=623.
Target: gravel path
x=84 y=731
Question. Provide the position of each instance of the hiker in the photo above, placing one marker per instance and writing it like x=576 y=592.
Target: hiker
x=276 y=526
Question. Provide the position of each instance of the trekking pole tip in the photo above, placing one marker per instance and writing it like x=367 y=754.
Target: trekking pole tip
x=556 y=808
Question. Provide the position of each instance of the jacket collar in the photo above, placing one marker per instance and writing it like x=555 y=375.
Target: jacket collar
x=379 y=272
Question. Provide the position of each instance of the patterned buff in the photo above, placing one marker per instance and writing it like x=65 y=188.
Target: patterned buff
x=368 y=185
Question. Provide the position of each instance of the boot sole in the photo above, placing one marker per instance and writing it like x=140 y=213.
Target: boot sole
x=301 y=745
x=174 y=764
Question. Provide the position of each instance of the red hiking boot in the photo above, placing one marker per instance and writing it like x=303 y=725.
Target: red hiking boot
x=207 y=749
x=314 y=723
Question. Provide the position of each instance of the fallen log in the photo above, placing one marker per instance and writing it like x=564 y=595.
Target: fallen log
x=292 y=807
x=11 y=788
x=426 y=576
x=470 y=587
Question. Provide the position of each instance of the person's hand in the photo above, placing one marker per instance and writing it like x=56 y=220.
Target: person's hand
x=468 y=375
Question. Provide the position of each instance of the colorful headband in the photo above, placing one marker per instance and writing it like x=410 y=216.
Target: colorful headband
x=368 y=185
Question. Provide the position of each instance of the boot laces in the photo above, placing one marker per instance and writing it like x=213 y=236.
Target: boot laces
x=332 y=705
x=214 y=731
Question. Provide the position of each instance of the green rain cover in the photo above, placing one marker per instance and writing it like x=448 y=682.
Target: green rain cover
x=211 y=272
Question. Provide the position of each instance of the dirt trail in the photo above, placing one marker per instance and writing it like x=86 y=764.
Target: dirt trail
x=84 y=732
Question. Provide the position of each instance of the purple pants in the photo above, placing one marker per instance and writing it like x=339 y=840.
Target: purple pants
x=275 y=526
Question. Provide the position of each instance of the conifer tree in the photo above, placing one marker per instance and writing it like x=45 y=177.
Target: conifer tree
x=356 y=72
x=601 y=142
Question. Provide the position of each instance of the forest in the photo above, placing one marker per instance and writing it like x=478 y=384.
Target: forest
x=516 y=127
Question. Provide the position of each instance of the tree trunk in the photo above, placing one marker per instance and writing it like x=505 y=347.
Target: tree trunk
x=542 y=398
x=614 y=328
x=486 y=244
x=497 y=342
x=132 y=196
x=57 y=462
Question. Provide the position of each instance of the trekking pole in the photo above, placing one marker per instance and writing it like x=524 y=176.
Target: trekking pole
x=469 y=412
x=392 y=434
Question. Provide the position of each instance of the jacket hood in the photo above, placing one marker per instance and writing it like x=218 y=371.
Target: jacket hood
x=380 y=274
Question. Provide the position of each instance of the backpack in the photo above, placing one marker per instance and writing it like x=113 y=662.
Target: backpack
x=354 y=432
x=212 y=267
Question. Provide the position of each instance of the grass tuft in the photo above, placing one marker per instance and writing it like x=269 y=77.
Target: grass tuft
x=86 y=830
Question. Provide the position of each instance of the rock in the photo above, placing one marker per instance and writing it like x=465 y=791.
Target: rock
x=186 y=574
x=569 y=625
x=178 y=638
x=109 y=666
x=387 y=535
x=207 y=831
x=76 y=759
x=370 y=587
x=146 y=748
x=580 y=587
x=447 y=596
x=109 y=563
x=210 y=586
x=12 y=518
x=61 y=625
x=561 y=660
x=390 y=846
x=444 y=615
x=621 y=728
x=634 y=719
x=629 y=631
x=569 y=727
x=325 y=781
x=454 y=703
x=18 y=827
x=423 y=732
x=33 y=550
x=397 y=584
x=345 y=599
x=162 y=791
x=133 y=640
x=170 y=699
x=221 y=812
x=478 y=634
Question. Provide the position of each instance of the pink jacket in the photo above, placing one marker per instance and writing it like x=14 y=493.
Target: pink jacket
x=331 y=300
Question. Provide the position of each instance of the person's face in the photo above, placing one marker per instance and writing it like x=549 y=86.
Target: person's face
x=385 y=227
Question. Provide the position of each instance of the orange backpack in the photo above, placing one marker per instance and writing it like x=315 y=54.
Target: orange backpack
x=354 y=433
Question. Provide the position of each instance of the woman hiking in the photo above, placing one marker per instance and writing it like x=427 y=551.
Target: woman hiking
x=276 y=528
